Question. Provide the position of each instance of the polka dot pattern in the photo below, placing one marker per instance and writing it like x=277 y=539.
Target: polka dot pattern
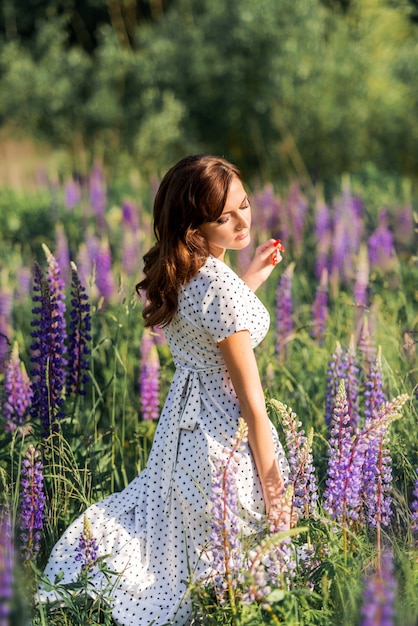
x=156 y=530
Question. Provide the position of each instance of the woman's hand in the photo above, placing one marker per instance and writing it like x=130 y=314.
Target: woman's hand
x=267 y=256
x=281 y=515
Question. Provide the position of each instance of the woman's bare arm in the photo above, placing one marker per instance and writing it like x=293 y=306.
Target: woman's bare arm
x=242 y=367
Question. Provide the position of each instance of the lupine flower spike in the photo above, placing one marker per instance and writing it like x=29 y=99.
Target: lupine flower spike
x=98 y=194
x=7 y=558
x=377 y=460
x=344 y=478
x=48 y=374
x=381 y=244
x=57 y=291
x=72 y=193
x=32 y=503
x=343 y=365
x=149 y=378
x=104 y=277
x=320 y=308
x=323 y=236
x=79 y=337
x=351 y=376
x=379 y=595
x=224 y=539
x=272 y=562
x=299 y=453
x=17 y=394
x=4 y=332
x=284 y=309
x=366 y=344
x=87 y=548
x=336 y=372
x=362 y=279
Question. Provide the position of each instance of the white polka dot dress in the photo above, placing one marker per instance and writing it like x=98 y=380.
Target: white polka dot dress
x=156 y=530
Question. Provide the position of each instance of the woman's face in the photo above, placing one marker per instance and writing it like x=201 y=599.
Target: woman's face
x=231 y=231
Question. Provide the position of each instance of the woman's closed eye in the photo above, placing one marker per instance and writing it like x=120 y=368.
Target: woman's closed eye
x=223 y=219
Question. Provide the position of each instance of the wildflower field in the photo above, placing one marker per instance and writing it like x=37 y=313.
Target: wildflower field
x=82 y=385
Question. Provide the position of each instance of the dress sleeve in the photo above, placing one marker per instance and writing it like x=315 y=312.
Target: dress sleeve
x=224 y=307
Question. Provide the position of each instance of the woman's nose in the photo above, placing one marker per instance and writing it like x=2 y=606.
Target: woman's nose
x=242 y=222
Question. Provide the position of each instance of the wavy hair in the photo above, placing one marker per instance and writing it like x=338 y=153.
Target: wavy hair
x=192 y=192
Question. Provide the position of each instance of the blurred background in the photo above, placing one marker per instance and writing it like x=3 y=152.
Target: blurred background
x=284 y=88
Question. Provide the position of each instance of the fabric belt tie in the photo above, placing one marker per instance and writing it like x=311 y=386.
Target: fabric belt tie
x=184 y=415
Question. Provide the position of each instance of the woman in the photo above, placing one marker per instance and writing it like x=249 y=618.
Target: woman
x=156 y=531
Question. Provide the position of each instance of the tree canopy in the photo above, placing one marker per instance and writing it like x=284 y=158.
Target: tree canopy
x=306 y=86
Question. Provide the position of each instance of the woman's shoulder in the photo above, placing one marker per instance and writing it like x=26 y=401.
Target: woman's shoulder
x=214 y=274
x=215 y=269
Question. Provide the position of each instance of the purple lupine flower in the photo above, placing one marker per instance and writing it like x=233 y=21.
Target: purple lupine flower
x=79 y=337
x=342 y=495
x=297 y=206
x=131 y=251
x=149 y=378
x=354 y=211
x=104 y=278
x=72 y=193
x=24 y=281
x=377 y=479
x=6 y=305
x=130 y=213
x=336 y=372
x=414 y=507
x=377 y=461
x=131 y=240
x=339 y=244
x=404 y=225
x=348 y=227
x=351 y=377
x=159 y=335
x=366 y=344
x=57 y=292
x=360 y=290
x=299 y=453
x=379 y=594
x=225 y=544
x=87 y=548
x=62 y=253
x=272 y=562
x=7 y=560
x=47 y=354
x=17 y=394
x=381 y=244
x=284 y=310
x=268 y=211
x=84 y=264
x=6 y=302
x=323 y=236
x=98 y=193
x=373 y=393
x=320 y=308
x=377 y=472
x=32 y=503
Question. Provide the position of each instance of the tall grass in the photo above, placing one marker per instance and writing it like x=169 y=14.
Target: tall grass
x=102 y=441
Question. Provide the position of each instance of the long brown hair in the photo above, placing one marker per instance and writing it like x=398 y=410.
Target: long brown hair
x=192 y=192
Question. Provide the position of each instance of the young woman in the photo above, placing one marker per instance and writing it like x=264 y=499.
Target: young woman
x=156 y=531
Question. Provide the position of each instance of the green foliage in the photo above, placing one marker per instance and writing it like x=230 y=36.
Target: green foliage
x=301 y=87
x=26 y=219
